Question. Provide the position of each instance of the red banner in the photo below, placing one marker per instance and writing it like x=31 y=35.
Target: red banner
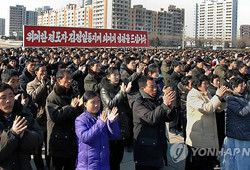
x=43 y=36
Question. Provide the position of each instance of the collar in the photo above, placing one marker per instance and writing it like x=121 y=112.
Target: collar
x=146 y=95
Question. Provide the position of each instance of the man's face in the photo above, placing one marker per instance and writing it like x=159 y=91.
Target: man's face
x=31 y=67
x=234 y=65
x=223 y=62
x=65 y=81
x=132 y=65
x=7 y=101
x=151 y=88
x=96 y=68
x=216 y=82
x=14 y=83
x=41 y=73
x=243 y=70
x=76 y=61
x=200 y=65
x=12 y=63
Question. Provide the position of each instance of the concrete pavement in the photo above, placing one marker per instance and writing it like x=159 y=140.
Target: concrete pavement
x=128 y=162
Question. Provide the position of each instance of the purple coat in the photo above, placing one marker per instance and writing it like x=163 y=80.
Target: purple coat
x=93 y=141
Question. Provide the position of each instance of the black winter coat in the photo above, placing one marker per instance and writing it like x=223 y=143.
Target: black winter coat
x=25 y=78
x=128 y=75
x=150 y=142
x=15 y=151
x=61 y=138
x=112 y=96
x=92 y=82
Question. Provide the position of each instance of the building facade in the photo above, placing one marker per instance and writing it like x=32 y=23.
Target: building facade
x=2 y=26
x=216 y=22
x=31 y=17
x=245 y=32
x=107 y=14
x=118 y=14
x=166 y=25
x=19 y=17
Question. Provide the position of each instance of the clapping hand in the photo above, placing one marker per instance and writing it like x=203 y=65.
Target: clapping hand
x=103 y=116
x=221 y=91
x=168 y=98
x=24 y=101
x=19 y=125
x=166 y=90
x=123 y=88
x=140 y=69
x=74 y=102
x=112 y=115
x=129 y=86
x=80 y=101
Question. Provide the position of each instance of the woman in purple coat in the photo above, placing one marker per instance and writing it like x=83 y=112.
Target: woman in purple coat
x=94 y=129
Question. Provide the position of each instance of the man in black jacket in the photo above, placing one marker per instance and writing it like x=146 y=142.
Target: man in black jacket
x=175 y=79
x=150 y=113
x=61 y=110
x=28 y=74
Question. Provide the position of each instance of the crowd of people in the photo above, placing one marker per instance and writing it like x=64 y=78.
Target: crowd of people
x=87 y=106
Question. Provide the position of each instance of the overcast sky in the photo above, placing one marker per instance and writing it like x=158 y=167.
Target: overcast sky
x=188 y=5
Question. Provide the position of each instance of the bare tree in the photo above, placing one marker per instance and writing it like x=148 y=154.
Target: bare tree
x=190 y=40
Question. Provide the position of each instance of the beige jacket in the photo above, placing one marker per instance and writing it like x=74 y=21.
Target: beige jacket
x=201 y=121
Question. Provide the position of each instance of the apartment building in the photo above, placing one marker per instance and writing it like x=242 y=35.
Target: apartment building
x=245 y=32
x=2 y=26
x=216 y=22
x=108 y=14
x=31 y=17
x=19 y=17
x=162 y=24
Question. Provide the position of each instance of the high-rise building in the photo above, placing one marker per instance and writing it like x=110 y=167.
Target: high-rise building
x=86 y=2
x=118 y=14
x=95 y=14
x=31 y=17
x=19 y=17
x=216 y=22
x=245 y=32
x=166 y=25
x=42 y=9
x=2 y=26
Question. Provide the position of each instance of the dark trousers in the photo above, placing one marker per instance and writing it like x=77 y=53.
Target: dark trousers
x=176 y=123
x=60 y=163
x=144 y=167
x=38 y=160
x=184 y=123
x=116 y=148
x=196 y=162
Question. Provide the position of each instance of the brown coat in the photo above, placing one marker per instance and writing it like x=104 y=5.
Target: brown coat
x=39 y=93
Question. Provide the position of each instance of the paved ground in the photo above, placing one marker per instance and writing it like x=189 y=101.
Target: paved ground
x=10 y=44
x=128 y=163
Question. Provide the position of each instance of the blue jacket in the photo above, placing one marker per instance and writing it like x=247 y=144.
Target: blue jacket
x=238 y=117
x=93 y=141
